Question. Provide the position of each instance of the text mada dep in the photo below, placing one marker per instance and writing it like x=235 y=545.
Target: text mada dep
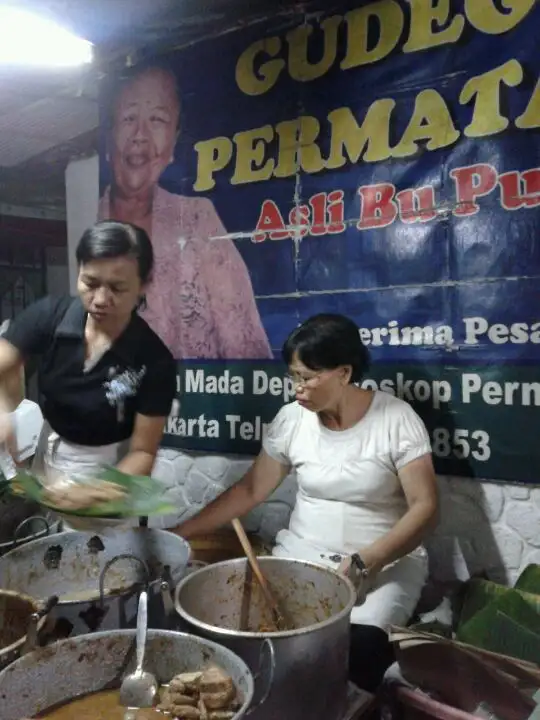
x=294 y=146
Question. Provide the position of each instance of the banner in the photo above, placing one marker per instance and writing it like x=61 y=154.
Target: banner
x=381 y=161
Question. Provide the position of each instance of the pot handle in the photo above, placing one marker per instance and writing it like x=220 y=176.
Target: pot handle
x=267 y=648
x=166 y=597
x=32 y=632
x=110 y=563
x=25 y=522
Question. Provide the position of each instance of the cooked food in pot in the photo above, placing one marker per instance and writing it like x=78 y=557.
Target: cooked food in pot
x=206 y=695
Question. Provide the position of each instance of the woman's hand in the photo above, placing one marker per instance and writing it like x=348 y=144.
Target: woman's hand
x=372 y=567
x=361 y=577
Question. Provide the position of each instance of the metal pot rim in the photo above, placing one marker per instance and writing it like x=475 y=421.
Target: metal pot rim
x=57 y=647
x=57 y=538
x=71 y=533
x=23 y=541
x=18 y=644
x=227 y=632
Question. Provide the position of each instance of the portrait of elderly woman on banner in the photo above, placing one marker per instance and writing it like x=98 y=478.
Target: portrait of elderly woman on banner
x=201 y=301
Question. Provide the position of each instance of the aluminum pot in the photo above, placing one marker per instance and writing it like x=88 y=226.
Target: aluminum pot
x=96 y=578
x=22 y=521
x=21 y=620
x=89 y=663
x=223 y=602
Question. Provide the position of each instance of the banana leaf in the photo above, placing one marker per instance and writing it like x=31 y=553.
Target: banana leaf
x=143 y=496
x=506 y=625
x=509 y=637
x=481 y=593
x=529 y=580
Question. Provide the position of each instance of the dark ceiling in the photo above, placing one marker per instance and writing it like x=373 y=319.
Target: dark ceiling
x=48 y=118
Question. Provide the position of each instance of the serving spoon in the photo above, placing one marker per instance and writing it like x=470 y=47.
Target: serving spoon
x=139 y=689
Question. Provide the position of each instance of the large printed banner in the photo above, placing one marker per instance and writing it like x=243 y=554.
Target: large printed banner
x=380 y=161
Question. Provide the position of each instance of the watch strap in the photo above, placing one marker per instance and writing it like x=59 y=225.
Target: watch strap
x=359 y=564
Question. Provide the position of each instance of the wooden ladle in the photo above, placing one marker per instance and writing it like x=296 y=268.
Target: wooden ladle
x=276 y=614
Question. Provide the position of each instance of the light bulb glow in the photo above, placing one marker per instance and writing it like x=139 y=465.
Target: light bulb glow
x=32 y=41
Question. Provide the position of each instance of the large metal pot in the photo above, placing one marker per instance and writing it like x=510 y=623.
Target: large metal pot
x=21 y=620
x=90 y=663
x=22 y=521
x=97 y=578
x=223 y=602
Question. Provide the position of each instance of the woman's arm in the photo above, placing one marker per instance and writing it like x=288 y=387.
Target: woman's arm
x=29 y=334
x=143 y=445
x=256 y=485
x=10 y=367
x=12 y=388
x=420 y=487
x=11 y=363
x=154 y=400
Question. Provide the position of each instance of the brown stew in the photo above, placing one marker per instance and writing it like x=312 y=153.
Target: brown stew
x=104 y=705
x=209 y=694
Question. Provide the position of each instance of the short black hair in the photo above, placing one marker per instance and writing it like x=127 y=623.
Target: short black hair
x=327 y=341
x=111 y=239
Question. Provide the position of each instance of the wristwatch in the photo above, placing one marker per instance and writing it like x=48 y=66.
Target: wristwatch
x=360 y=565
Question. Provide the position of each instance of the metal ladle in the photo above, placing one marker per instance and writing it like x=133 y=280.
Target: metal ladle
x=139 y=689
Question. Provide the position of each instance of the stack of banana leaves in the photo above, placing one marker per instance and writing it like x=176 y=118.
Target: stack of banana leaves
x=492 y=657
x=504 y=620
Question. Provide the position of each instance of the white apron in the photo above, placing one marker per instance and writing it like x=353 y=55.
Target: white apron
x=394 y=594
x=56 y=457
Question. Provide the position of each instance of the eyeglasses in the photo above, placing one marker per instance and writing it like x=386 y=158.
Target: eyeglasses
x=303 y=381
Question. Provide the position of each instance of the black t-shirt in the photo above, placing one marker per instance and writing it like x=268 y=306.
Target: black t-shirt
x=94 y=405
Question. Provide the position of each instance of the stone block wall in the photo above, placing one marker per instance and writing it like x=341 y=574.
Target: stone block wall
x=484 y=526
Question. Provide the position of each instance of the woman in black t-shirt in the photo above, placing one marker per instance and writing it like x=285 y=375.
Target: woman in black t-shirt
x=107 y=381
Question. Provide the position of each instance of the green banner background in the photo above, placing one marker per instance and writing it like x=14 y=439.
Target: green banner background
x=481 y=419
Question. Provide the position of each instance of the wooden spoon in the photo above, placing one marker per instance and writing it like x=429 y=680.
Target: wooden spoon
x=277 y=615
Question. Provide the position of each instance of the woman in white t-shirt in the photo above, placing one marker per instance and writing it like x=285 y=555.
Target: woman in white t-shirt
x=367 y=494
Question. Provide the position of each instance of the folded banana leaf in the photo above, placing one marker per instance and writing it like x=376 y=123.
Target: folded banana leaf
x=507 y=625
x=143 y=496
x=510 y=638
x=480 y=593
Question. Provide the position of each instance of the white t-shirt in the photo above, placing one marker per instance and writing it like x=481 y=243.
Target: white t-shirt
x=349 y=493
